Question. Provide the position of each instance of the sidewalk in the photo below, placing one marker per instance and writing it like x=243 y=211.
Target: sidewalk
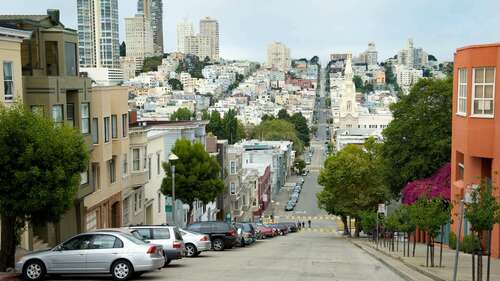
x=417 y=263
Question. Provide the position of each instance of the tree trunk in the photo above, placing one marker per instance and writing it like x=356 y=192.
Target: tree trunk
x=473 y=266
x=408 y=235
x=489 y=256
x=404 y=244
x=432 y=251
x=189 y=214
x=441 y=247
x=8 y=243
x=427 y=252
x=480 y=257
x=346 y=227
x=397 y=241
x=414 y=242
x=357 y=228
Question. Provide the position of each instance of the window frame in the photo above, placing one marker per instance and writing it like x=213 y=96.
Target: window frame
x=9 y=97
x=85 y=118
x=462 y=96
x=134 y=160
x=112 y=169
x=107 y=124
x=95 y=130
x=61 y=106
x=124 y=125
x=483 y=84
x=114 y=126
x=232 y=186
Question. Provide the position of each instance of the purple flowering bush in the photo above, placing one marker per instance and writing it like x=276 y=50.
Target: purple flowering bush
x=436 y=186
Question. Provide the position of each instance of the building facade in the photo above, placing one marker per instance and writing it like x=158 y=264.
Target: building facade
x=184 y=29
x=209 y=28
x=139 y=38
x=475 y=154
x=278 y=56
x=153 y=10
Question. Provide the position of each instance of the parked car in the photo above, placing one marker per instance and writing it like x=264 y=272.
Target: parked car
x=222 y=234
x=289 y=206
x=305 y=173
x=265 y=230
x=195 y=242
x=100 y=252
x=167 y=236
x=292 y=227
x=248 y=233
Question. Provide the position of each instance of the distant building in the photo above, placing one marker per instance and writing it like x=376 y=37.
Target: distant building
x=339 y=56
x=184 y=29
x=407 y=77
x=198 y=45
x=278 y=56
x=153 y=10
x=139 y=38
x=209 y=28
x=412 y=57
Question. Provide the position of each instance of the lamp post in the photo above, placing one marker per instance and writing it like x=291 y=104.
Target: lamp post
x=171 y=158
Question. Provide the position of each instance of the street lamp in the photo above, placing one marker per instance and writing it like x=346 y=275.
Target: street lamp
x=171 y=158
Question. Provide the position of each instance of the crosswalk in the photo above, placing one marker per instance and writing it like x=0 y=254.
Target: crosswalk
x=312 y=218
x=320 y=229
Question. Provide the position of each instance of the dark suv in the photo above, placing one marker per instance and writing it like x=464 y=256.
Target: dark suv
x=222 y=234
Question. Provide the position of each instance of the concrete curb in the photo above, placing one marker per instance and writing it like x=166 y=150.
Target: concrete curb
x=411 y=266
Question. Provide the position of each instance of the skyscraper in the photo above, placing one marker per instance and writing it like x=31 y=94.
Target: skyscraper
x=278 y=56
x=138 y=38
x=153 y=11
x=210 y=28
x=184 y=29
x=98 y=33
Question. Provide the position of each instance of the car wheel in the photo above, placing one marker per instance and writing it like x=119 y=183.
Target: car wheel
x=167 y=262
x=197 y=254
x=191 y=250
x=242 y=242
x=218 y=244
x=34 y=270
x=122 y=270
x=138 y=274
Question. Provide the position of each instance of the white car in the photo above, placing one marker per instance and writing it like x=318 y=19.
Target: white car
x=167 y=236
x=195 y=242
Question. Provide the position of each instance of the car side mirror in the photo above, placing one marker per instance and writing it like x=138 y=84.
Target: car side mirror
x=58 y=248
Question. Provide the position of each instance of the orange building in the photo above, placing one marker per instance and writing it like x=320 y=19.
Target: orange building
x=475 y=126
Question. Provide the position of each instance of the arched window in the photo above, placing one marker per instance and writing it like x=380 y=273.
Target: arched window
x=349 y=106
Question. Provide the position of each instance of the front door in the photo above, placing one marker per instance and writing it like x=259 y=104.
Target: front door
x=115 y=215
x=70 y=257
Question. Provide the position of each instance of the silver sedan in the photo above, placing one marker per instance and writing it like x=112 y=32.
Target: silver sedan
x=101 y=252
x=195 y=242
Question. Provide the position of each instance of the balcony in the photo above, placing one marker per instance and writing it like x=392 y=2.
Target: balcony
x=137 y=178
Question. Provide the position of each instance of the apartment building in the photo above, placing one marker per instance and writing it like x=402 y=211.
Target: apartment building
x=475 y=151
x=278 y=56
x=139 y=38
x=52 y=87
x=209 y=28
x=153 y=10
x=184 y=29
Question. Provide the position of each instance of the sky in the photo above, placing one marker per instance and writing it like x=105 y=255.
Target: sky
x=314 y=27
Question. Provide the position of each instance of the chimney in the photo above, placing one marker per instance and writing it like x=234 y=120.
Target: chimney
x=53 y=15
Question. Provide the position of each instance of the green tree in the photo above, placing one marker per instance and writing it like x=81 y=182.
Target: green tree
x=300 y=124
x=266 y=117
x=182 y=114
x=358 y=82
x=417 y=141
x=41 y=165
x=196 y=175
x=299 y=165
x=151 y=63
x=353 y=177
x=275 y=130
x=233 y=130
x=483 y=212
x=176 y=84
x=215 y=125
x=283 y=114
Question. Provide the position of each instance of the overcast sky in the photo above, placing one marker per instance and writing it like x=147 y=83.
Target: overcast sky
x=315 y=27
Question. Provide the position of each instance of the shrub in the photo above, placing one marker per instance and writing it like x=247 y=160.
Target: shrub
x=470 y=243
x=452 y=240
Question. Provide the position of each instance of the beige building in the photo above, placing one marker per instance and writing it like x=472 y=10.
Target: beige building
x=109 y=158
x=129 y=67
x=278 y=56
x=51 y=86
x=139 y=38
x=209 y=28
x=198 y=45
x=184 y=29
x=11 y=88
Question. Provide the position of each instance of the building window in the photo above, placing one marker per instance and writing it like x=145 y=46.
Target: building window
x=84 y=177
x=135 y=202
x=70 y=112
x=145 y=159
x=85 y=113
x=126 y=203
x=91 y=221
x=149 y=168
x=135 y=159
x=70 y=58
x=95 y=130
x=459 y=158
x=52 y=58
x=114 y=127
x=58 y=114
x=483 y=91
x=232 y=188
x=124 y=125
x=125 y=164
x=96 y=176
x=233 y=167
x=159 y=202
x=8 y=82
x=158 y=163
x=106 y=129
x=140 y=200
x=462 y=91
x=112 y=169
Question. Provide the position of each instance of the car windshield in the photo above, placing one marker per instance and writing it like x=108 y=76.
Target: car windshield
x=134 y=239
x=184 y=232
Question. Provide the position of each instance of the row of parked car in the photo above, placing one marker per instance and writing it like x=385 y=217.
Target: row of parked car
x=294 y=198
x=128 y=252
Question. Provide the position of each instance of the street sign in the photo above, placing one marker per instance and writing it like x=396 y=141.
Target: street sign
x=381 y=208
x=168 y=208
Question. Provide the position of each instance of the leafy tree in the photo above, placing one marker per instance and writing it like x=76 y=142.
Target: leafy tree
x=431 y=58
x=483 y=212
x=299 y=165
x=266 y=117
x=151 y=63
x=215 y=125
x=205 y=115
x=182 y=114
x=123 y=49
x=417 y=141
x=300 y=124
x=41 y=165
x=283 y=114
x=353 y=177
x=358 y=82
x=314 y=60
x=233 y=130
x=196 y=175
x=368 y=221
x=327 y=201
x=176 y=84
x=275 y=130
